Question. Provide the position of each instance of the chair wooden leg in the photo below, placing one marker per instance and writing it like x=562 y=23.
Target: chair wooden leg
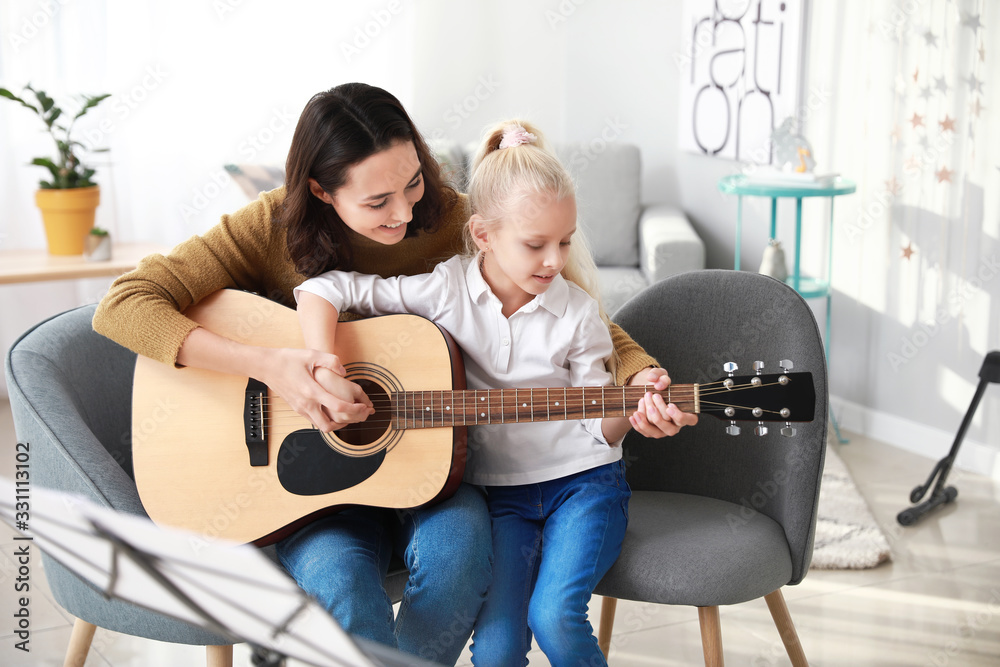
x=783 y=621
x=711 y=636
x=608 y=607
x=79 y=643
x=219 y=656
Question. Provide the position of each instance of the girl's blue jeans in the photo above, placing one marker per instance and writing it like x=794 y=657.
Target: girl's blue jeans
x=552 y=543
x=342 y=561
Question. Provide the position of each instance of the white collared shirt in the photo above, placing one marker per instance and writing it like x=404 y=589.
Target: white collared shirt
x=556 y=340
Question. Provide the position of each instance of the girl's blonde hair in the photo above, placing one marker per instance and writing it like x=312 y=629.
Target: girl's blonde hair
x=507 y=178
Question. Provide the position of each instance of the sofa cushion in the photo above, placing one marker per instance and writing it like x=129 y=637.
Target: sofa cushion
x=256 y=178
x=607 y=179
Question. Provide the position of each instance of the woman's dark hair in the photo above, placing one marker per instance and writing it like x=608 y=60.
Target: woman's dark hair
x=338 y=129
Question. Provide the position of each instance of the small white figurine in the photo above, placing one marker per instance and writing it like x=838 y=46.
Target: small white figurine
x=792 y=151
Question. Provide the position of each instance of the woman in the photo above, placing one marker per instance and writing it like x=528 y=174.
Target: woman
x=362 y=192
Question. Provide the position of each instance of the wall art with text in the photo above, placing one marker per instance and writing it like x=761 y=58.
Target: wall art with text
x=739 y=75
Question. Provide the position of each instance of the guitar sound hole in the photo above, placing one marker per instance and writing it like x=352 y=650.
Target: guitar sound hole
x=370 y=430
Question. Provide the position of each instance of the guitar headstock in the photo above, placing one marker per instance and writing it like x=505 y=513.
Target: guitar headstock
x=778 y=397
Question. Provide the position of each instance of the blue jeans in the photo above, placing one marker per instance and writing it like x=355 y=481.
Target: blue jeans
x=342 y=561
x=552 y=543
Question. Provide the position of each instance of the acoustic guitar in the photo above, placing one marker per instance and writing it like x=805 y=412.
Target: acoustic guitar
x=220 y=455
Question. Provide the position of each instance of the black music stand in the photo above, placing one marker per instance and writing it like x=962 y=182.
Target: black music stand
x=942 y=495
x=231 y=590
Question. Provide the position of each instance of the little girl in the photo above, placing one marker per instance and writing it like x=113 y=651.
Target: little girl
x=517 y=307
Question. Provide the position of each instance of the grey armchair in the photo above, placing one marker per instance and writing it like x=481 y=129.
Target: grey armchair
x=71 y=398
x=715 y=519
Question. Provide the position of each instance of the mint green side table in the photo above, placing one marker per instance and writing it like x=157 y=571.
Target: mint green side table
x=809 y=288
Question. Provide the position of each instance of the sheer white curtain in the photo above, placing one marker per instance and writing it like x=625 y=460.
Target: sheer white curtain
x=908 y=106
x=195 y=85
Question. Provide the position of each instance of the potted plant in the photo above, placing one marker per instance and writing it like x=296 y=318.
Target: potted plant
x=69 y=200
x=97 y=245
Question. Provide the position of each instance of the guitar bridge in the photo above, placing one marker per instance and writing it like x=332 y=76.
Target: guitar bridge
x=254 y=429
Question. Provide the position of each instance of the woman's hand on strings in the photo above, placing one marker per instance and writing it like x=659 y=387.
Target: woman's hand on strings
x=314 y=384
x=654 y=417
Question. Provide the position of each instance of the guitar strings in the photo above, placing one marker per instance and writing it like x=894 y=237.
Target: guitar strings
x=684 y=394
x=509 y=403
x=389 y=402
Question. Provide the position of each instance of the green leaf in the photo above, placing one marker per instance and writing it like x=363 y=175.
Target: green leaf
x=90 y=103
x=11 y=96
x=53 y=116
x=43 y=99
x=48 y=164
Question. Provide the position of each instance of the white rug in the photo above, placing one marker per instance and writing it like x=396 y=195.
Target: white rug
x=847 y=535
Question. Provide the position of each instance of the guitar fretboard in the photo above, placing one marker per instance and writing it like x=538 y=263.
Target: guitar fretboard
x=468 y=407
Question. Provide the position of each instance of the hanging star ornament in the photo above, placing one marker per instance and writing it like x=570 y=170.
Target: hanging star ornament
x=908 y=251
x=972 y=21
x=893 y=187
x=976 y=108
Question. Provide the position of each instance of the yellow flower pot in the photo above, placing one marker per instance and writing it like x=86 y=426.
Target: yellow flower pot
x=68 y=216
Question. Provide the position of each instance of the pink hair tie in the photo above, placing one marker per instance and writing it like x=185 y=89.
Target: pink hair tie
x=515 y=135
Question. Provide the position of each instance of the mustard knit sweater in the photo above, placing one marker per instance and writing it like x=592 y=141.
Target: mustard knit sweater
x=247 y=251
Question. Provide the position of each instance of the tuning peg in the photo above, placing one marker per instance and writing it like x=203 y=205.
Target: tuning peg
x=786 y=365
x=760 y=429
x=730 y=367
x=732 y=429
x=759 y=367
x=788 y=431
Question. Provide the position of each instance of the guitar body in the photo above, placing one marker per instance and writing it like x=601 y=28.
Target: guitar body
x=191 y=427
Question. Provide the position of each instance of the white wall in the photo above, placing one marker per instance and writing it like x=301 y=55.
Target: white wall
x=590 y=70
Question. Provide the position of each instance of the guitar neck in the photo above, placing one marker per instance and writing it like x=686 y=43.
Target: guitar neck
x=432 y=409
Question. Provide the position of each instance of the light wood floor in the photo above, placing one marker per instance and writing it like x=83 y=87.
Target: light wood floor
x=937 y=604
